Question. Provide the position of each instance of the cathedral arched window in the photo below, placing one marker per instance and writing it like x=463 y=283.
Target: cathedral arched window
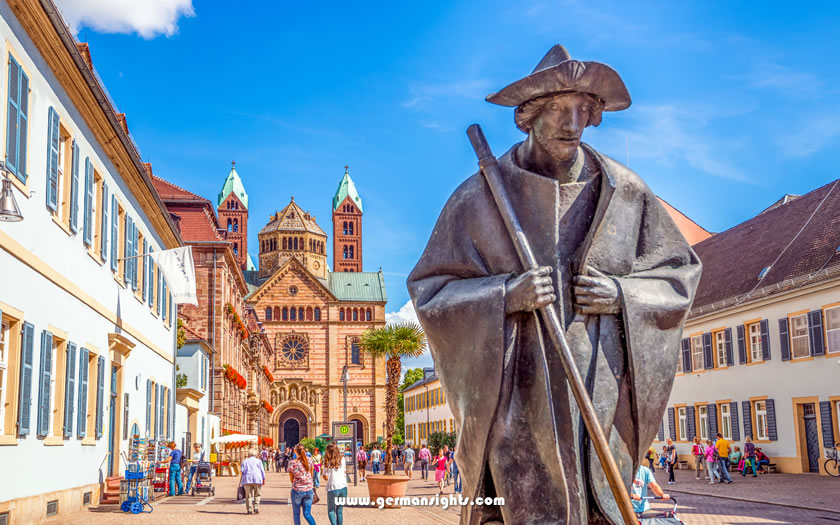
x=345 y=252
x=301 y=316
x=355 y=314
x=285 y=314
x=351 y=227
x=367 y=314
x=317 y=314
x=284 y=243
x=351 y=252
x=295 y=244
x=309 y=313
x=344 y=228
x=268 y=313
x=277 y=312
x=293 y=314
x=301 y=244
x=236 y=225
x=236 y=248
x=341 y=314
x=229 y=224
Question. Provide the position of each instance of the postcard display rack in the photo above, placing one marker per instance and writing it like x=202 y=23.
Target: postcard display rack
x=140 y=467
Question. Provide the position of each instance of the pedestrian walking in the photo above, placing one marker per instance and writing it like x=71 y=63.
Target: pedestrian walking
x=699 y=453
x=175 y=456
x=651 y=457
x=711 y=464
x=440 y=469
x=408 y=461
x=375 y=459
x=749 y=457
x=264 y=458
x=287 y=458
x=316 y=467
x=300 y=473
x=670 y=460
x=425 y=456
x=456 y=473
x=722 y=447
x=198 y=455
x=361 y=460
x=252 y=480
x=278 y=460
x=335 y=474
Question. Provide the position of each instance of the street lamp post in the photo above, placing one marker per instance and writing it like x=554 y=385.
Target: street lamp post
x=345 y=376
x=426 y=401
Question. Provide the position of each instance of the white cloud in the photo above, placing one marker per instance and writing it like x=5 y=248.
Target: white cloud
x=406 y=314
x=147 y=18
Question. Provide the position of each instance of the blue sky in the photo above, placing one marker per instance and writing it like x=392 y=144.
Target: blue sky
x=734 y=103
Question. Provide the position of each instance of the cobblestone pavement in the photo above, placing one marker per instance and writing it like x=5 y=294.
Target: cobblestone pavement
x=699 y=504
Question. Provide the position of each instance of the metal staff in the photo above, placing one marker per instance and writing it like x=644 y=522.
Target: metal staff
x=491 y=172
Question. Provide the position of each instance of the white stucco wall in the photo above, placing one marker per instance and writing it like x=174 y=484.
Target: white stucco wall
x=421 y=416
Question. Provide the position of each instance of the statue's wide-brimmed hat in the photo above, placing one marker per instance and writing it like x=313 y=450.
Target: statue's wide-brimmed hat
x=557 y=72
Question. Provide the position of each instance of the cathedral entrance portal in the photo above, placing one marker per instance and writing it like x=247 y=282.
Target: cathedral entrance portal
x=292 y=427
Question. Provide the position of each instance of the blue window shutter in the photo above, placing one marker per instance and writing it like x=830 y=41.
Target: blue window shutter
x=23 y=125
x=765 y=340
x=69 y=389
x=128 y=237
x=159 y=422
x=135 y=251
x=27 y=353
x=145 y=260
x=784 y=339
x=711 y=416
x=815 y=333
x=44 y=378
x=52 y=159
x=168 y=411
x=827 y=424
x=747 y=418
x=150 y=264
x=661 y=434
x=708 y=357
x=736 y=428
x=689 y=417
x=771 y=420
x=18 y=120
x=115 y=233
x=100 y=395
x=148 y=407
x=727 y=339
x=104 y=227
x=742 y=345
x=87 y=226
x=164 y=299
x=74 y=188
x=672 y=423
x=686 y=354
x=159 y=288
x=81 y=421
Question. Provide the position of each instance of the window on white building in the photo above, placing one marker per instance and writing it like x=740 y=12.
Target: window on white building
x=703 y=422
x=760 y=420
x=680 y=363
x=683 y=424
x=4 y=364
x=697 y=353
x=54 y=374
x=725 y=421
x=799 y=346
x=755 y=342
x=832 y=329
x=720 y=349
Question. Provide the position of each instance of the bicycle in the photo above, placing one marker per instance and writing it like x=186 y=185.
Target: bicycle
x=832 y=464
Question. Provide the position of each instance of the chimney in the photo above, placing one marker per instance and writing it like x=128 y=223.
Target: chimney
x=177 y=220
x=148 y=167
x=122 y=121
x=84 y=49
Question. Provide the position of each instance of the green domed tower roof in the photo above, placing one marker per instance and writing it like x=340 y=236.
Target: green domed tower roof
x=346 y=188
x=233 y=184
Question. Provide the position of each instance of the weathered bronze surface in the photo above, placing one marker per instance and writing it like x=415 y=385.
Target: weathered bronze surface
x=615 y=268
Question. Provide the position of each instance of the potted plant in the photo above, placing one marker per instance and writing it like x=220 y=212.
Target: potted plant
x=391 y=343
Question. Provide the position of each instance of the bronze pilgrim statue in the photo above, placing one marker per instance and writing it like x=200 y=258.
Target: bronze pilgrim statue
x=607 y=258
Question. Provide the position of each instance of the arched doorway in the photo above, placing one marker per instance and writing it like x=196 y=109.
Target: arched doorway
x=291 y=432
x=360 y=429
x=292 y=426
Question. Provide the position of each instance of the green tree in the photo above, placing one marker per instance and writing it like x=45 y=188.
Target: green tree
x=392 y=343
x=412 y=375
x=437 y=440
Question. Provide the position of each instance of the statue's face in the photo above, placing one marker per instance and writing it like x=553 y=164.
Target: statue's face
x=559 y=125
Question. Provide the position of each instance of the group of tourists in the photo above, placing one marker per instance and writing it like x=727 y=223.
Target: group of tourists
x=713 y=459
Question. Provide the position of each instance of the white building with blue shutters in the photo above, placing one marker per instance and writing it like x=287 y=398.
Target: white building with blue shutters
x=760 y=355
x=87 y=342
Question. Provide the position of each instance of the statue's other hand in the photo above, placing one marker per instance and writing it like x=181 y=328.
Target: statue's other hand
x=595 y=293
x=530 y=291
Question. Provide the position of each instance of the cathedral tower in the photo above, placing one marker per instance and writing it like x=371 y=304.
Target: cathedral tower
x=233 y=215
x=347 y=226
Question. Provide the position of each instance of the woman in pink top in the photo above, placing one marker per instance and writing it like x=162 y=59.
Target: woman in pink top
x=711 y=464
x=440 y=469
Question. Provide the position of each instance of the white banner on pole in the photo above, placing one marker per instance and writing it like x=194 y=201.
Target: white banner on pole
x=179 y=271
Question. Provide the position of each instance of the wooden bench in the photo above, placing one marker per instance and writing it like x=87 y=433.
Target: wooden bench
x=682 y=465
x=771 y=468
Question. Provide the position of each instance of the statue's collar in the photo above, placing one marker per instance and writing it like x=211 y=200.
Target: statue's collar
x=573 y=175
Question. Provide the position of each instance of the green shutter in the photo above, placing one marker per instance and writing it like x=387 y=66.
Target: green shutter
x=151 y=277
x=135 y=251
x=81 y=422
x=100 y=395
x=69 y=389
x=74 y=188
x=52 y=159
x=145 y=260
x=87 y=235
x=44 y=387
x=27 y=344
x=128 y=233
x=115 y=232
x=103 y=228
x=17 y=120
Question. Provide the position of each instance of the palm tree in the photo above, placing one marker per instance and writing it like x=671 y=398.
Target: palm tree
x=393 y=342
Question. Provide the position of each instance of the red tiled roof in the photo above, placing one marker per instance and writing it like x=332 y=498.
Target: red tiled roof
x=733 y=259
x=197 y=218
x=169 y=191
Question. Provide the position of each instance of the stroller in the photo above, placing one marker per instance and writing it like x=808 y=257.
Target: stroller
x=669 y=517
x=203 y=479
